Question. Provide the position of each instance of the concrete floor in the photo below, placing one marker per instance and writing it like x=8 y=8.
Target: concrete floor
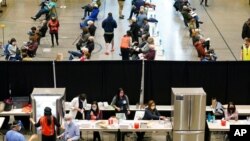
x=223 y=22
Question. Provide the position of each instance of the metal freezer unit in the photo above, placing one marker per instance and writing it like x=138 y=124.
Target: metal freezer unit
x=189 y=114
x=48 y=97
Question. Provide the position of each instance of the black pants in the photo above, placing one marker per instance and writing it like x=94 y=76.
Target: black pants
x=125 y=53
x=49 y=138
x=203 y=1
x=140 y=136
x=96 y=136
x=52 y=38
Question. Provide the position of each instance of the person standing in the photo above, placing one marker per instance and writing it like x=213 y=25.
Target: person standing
x=78 y=105
x=72 y=132
x=246 y=30
x=245 y=50
x=126 y=42
x=47 y=124
x=121 y=102
x=121 y=5
x=205 y=2
x=53 y=29
x=109 y=24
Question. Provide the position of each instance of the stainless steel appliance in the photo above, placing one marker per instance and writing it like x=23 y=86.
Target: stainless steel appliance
x=189 y=114
x=48 y=97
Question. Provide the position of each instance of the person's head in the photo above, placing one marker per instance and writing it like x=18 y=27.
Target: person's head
x=141 y=11
x=231 y=107
x=13 y=41
x=82 y=97
x=85 y=30
x=94 y=106
x=59 y=57
x=68 y=119
x=109 y=14
x=128 y=33
x=90 y=23
x=120 y=92
x=53 y=17
x=133 y=20
x=16 y=125
x=47 y=111
x=33 y=29
x=151 y=105
x=214 y=102
x=95 y=5
x=247 y=42
x=142 y=8
x=91 y=38
x=145 y=37
x=151 y=46
x=150 y=40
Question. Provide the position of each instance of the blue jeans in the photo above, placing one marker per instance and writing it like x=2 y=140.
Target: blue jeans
x=74 y=54
x=41 y=12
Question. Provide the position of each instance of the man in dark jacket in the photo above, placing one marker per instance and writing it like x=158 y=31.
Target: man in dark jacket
x=136 y=7
x=246 y=30
x=134 y=29
x=109 y=24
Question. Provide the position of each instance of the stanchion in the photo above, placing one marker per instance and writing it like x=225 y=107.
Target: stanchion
x=2 y=26
x=3 y=3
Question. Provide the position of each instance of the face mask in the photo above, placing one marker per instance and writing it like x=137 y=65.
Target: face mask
x=68 y=122
x=94 y=108
x=20 y=127
x=152 y=107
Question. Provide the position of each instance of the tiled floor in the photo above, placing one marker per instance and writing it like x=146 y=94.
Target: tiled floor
x=223 y=21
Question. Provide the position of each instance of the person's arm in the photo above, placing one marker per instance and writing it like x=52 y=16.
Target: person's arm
x=113 y=103
x=73 y=104
x=84 y=104
x=34 y=123
x=128 y=108
x=77 y=134
x=58 y=125
x=115 y=24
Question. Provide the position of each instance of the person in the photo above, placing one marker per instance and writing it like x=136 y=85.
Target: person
x=121 y=102
x=109 y=24
x=134 y=29
x=91 y=28
x=14 y=52
x=217 y=107
x=45 y=10
x=87 y=10
x=151 y=113
x=231 y=113
x=205 y=2
x=150 y=55
x=83 y=38
x=95 y=114
x=121 y=5
x=47 y=124
x=42 y=30
x=245 y=50
x=53 y=29
x=246 y=30
x=31 y=47
x=14 y=134
x=144 y=28
x=59 y=56
x=92 y=16
x=136 y=7
x=135 y=50
x=126 y=43
x=72 y=132
x=140 y=18
x=78 y=105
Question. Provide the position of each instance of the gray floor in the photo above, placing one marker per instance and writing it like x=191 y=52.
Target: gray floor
x=223 y=21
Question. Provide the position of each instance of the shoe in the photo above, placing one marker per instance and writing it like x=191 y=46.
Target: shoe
x=200 y=22
x=106 y=53
x=206 y=5
x=34 y=18
x=83 y=18
x=112 y=50
x=121 y=17
x=57 y=44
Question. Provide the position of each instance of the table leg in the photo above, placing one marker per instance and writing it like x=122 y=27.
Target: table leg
x=118 y=138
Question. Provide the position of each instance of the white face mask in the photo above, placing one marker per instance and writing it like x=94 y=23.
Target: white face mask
x=20 y=127
x=94 y=108
x=68 y=122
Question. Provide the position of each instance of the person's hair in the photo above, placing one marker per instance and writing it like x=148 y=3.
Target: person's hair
x=85 y=30
x=110 y=14
x=33 y=28
x=15 y=123
x=150 y=103
x=150 y=40
x=90 y=22
x=214 y=98
x=12 y=40
x=129 y=33
x=82 y=96
x=47 y=114
x=233 y=109
x=91 y=38
x=118 y=93
x=248 y=40
x=59 y=57
x=97 y=107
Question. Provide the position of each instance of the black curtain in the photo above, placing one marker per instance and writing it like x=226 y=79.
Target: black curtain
x=79 y=77
x=24 y=76
x=122 y=74
x=238 y=82
x=212 y=76
x=4 y=83
x=160 y=77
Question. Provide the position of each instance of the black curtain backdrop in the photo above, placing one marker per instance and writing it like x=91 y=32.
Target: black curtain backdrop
x=4 y=80
x=24 y=76
x=99 y=80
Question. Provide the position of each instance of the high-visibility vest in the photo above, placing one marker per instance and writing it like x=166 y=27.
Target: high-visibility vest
x=125 y=42
x=47 y=130
x=245 y=53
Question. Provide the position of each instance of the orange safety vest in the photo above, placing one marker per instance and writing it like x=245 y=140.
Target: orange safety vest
x=125 y=42
x=47 y=130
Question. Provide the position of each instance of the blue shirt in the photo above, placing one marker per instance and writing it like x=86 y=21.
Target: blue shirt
x=71 y=132
x=14 y=136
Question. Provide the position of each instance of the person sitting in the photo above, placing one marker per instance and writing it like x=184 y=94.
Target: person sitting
x=150 y=55
x=231 y=113
x=245 y=51
x=135 y=50
x=45 y=10
x=92 y=17
x=83 y=38
x=14 y=134
x=91 y=28
x=136 y=7
x=88 y=9
x=42 y=30
x=72 y=132
x=31 y=47
x=134 y=29
x=217 y=107
x=151 y=113
x=141 y=17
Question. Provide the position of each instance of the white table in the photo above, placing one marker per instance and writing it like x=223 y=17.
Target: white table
x=15 y=112
x=1 y=121
x=216 y=126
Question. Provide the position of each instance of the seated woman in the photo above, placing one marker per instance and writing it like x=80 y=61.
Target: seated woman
x=83 y=38
x=31 y=47
x=231 y=113
x=95 y=114
x=92 y=17
x=46 y=9
x=217 y=107
x=151 y=113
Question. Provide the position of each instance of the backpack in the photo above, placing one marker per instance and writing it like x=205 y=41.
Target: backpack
x=6 y=51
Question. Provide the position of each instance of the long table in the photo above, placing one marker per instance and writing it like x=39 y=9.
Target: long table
x=15 y=112
x=216 y=125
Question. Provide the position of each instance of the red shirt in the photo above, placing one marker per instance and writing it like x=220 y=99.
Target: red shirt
x=53 y=26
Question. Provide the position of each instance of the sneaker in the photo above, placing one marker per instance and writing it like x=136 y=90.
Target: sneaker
x=121 y=17
x=206 y=5
x=200 y=22
x=34 y=18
